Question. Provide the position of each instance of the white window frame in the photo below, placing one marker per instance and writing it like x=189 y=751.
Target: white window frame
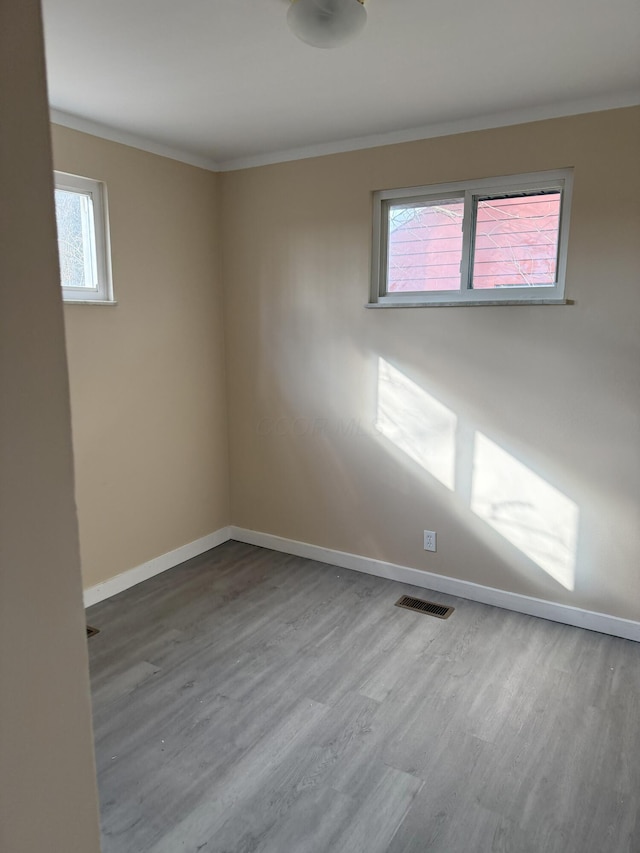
x=97 y=256
x=471 y=191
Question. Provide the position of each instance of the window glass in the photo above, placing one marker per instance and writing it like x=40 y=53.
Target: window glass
x=76 y=242
x=425 y=246
x=516 y=241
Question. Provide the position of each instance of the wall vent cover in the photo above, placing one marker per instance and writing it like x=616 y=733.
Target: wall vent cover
x=91 y=631
x=428 y=607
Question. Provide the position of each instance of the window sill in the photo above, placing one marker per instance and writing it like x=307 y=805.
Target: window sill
x=89 y=302
x=468 y=304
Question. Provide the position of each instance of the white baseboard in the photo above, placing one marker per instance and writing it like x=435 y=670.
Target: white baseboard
x=154 y=567
x=601 y=622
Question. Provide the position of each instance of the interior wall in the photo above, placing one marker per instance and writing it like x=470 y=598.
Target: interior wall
x=147 y=375
x=331 y=403
x=48 y=797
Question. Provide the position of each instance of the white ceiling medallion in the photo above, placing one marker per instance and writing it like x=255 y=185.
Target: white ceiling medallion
x=326 y=23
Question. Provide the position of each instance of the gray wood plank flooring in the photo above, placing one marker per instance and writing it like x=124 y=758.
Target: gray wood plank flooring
x=253 y=702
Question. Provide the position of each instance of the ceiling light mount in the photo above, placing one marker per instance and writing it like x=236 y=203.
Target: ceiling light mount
x=326 y=23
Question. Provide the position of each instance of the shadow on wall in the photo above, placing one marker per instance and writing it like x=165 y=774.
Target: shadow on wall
x=517 y=503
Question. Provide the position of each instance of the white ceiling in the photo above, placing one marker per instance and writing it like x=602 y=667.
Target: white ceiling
x=225 y=81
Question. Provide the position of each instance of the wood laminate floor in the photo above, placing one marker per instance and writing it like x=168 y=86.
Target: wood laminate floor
x=253 y=702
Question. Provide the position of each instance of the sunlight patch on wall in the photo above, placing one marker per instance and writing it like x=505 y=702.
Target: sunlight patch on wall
x=417 y=423
x=530 y=513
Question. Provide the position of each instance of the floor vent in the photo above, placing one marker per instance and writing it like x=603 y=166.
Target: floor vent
x=91 y=631
x=428 y=607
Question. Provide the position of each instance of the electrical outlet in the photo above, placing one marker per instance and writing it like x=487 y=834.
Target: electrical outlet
x=429 y=540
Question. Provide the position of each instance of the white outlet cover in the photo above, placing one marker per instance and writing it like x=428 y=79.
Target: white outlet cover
x=429 y=540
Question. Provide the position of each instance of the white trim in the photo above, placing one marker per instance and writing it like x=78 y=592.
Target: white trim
x=601 y=622
x=108 y=302
x=375 y=140
x=154 y=567
x=429 y=131
x=563 y=613
x=432 y=193
x=469 y=302
x=103 y=131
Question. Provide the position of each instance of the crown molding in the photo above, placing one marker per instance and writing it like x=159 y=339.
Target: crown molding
x=430 y=131
x=112 y=134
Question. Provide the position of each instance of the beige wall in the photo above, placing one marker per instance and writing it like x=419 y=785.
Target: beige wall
x=555 y=388
x=47 y=781
x=147 y=376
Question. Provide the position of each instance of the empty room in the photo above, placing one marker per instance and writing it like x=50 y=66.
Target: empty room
x=320 y=515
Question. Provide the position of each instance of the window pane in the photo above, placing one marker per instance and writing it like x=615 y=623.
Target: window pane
x=74 y=218
x=516 y=241
x=425 y=246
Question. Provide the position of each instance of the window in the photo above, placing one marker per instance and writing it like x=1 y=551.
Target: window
x=473 y=242
x=83 y=239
